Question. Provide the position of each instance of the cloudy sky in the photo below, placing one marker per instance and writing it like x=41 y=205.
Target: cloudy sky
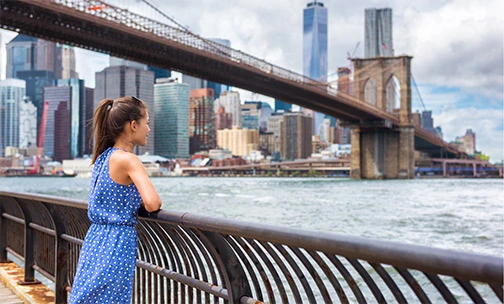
x=457 y=49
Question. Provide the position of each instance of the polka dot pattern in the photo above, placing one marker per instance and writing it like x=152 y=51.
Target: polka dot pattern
x=108 y=255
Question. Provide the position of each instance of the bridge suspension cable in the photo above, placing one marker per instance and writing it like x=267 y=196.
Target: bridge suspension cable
x=418 y=92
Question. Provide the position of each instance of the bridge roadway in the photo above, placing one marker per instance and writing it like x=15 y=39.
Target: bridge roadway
x=119 y=32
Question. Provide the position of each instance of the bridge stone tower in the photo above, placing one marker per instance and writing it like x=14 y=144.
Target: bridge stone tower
x=379 y=149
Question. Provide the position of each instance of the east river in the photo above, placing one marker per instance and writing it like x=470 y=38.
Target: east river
x=460 y=214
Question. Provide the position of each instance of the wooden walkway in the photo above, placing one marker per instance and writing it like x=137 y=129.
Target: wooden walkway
x=7 y=296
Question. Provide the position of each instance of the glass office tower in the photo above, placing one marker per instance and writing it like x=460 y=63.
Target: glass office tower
x=315 y=49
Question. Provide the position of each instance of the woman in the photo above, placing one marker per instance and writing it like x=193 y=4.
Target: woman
x=119 y=187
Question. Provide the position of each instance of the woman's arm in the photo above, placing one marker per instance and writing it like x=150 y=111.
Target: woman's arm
x=137 y=173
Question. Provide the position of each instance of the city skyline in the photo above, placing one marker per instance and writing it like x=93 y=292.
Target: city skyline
x=457 y=60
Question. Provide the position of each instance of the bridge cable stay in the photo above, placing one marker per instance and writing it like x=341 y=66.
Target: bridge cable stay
x=418 y=91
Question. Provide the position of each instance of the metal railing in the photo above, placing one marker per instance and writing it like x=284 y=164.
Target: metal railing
x=187 y=258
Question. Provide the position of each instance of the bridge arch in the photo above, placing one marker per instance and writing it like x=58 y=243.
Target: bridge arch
x=384 y=70
x=370 y=91
x=393 y=95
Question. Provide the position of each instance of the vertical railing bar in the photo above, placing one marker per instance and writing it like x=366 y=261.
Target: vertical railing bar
x=441 y=287
x=413 y=283
x=3 y=234
x=187 y=237
x=209 y=262
x=497 y=289
x=61 y=256
x=330 y=275
x=239 y=250
x=470 y=290
x=314 y=274
x=252 y=243
x=282 y=267
x=29 y=257
x=369 y=281
x=389 y=281
x=154 y=255
x=253 y=256
x=299 y=274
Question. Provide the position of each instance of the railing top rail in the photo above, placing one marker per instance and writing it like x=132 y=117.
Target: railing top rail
x=464 y=265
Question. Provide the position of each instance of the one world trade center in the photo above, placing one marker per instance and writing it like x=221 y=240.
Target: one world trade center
x=315 y=50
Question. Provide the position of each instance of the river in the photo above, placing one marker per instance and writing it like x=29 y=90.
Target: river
x=460 y=214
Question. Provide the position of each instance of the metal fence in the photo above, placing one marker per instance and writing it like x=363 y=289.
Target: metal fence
x=187 y=258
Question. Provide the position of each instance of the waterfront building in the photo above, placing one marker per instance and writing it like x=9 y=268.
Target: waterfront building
x=282 y=106
x=467 y=142
x=171 y=113
x=275 y=126
x=232 y=104
x=57 y=138
x=223 y=120
x=255 y=115
x=315 y=37
x=118 y=81
x=201 y=120
x=296 y=136
x=378 y=33
x=239 y=141
x=27 y=124
x=12 y=94
x=267 y=143
x=78 y=117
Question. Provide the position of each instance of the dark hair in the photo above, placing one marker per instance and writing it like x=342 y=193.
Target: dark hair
x=110 y=118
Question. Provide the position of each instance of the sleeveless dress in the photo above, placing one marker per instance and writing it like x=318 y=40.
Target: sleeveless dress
x=108 y=256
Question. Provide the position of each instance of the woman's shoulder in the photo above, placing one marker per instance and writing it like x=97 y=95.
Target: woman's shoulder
x=123 y=157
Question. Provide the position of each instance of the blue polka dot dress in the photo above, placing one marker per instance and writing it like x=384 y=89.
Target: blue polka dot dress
x=108 y=256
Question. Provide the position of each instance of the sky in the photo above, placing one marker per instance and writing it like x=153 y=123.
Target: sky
x=457 y=49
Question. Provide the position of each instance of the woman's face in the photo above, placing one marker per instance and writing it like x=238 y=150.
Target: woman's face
x=142 y=130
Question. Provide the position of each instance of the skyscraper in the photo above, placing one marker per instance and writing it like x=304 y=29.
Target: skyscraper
x=58 y=124
x=202 y=136
x=315 y=49
x=12 y=93
x=25 y=53
x=67 y=61
x=118 y=81
x=378 y=33
x=171 y=114
x=77 y=114
x=296 y=136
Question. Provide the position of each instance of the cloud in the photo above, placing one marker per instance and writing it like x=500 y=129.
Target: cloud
x=459 y=45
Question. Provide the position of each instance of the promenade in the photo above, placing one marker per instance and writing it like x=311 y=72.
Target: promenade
x=13 y=293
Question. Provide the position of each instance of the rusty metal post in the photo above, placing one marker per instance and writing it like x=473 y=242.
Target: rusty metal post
x=61 y=257
x=3 y=237
x=236 y=281
x=29 y=255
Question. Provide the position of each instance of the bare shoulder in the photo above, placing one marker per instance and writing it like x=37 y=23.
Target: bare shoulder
x=120 y=164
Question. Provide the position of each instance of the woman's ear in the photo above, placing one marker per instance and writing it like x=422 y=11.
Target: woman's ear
x=133 y=125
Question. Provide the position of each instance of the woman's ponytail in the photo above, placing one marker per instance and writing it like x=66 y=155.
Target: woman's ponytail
x=102 y=140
